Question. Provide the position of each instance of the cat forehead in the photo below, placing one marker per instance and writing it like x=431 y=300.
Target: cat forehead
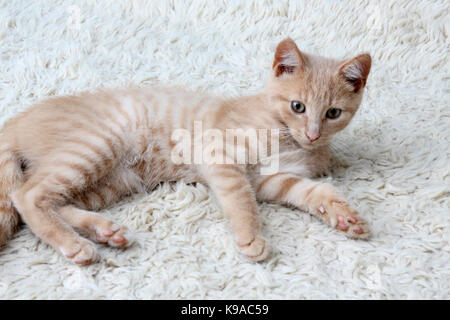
x=318 y=81
x=320 y=62
x=320 y=70
x=318 y=84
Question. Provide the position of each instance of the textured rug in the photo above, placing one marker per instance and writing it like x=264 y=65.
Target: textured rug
x=392 y=162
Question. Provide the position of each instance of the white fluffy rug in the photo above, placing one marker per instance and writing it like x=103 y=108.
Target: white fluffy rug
x=393 y=161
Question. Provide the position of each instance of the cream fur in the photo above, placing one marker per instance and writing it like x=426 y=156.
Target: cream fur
x=393 y=160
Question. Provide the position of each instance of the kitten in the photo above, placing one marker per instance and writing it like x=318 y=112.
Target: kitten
x=67 y=157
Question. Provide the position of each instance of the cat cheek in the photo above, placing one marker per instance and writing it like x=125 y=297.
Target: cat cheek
x=336 y=125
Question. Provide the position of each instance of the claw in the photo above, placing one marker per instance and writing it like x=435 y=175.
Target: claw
x=108 y=233
x=322 y=210
x=118 y=239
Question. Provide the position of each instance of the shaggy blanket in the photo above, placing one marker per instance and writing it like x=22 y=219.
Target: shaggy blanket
x=392 y=162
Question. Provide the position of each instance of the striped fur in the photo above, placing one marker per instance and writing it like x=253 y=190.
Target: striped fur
x=69 y=156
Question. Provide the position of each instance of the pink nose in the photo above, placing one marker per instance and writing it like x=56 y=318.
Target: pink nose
x=313 y=137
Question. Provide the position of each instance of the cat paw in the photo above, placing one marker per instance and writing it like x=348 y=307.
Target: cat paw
x=257 y=250
x=81 y=252
x=341 y=216
x=114 y=235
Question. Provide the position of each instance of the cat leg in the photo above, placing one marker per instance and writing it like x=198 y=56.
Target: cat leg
x=107 y=191
x=51 y=187
x=35 y=201
x=97 y=227
x=237 y=200
x=319 y=199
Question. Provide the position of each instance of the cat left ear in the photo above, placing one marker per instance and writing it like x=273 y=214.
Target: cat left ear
x=288 y=58
x=355 y=71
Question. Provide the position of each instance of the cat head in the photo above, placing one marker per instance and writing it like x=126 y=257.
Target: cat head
x=315 y=97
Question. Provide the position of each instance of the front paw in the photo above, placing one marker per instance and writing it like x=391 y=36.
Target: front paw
x=344 y=218
x=257 y=249
x=338 y=214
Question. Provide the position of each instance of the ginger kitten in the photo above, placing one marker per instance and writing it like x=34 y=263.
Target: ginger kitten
x=67 y=157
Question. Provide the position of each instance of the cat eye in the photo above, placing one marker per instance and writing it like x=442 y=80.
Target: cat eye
x=298 y=107
x=333 y=113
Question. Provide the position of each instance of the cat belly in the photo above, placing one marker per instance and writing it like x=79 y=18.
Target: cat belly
x=155 y=170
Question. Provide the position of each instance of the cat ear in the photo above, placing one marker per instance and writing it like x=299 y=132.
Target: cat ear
x=288 y=58
x=355 y=71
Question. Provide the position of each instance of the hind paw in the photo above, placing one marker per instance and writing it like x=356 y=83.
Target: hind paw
x=80 y=252
x=114 y=235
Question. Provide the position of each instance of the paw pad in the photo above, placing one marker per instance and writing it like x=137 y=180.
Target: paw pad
x=341 y=216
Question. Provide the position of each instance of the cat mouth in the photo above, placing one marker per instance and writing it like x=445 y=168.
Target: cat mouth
x=313 y=145
x=309 y=145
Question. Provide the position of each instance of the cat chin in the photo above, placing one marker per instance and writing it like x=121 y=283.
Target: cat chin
x=308 y=146
x=313 y=145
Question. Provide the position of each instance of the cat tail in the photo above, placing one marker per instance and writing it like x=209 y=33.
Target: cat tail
x=10 y=179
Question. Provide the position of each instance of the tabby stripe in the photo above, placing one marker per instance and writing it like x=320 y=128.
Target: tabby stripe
x=229 y=171
x=185 y=119
x=95 y=163
x=107 y=140
x=168 y=118
x=100 y=196
x=141 y=166
x=110 y=117
x=112 y=189
x=48 y=196
x=95 y=149
x=123 y=113
x=266 y=180
x=229 y=174
x=64 y=181
x=136 y=112
x=6 y=207
x=104 y=127
x=86 y=173
x=85 y=200
x=128 y=106
x=310 y=191
x=237 y=186
x=114 y=134
x=145 y=131
x=221 y=113
x=151 y=103
x=286 y=186
x=112 y=194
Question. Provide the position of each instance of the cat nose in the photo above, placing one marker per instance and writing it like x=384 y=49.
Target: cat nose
x=313 y=137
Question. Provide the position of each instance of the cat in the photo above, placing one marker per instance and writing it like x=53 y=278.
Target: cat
x=67 y=157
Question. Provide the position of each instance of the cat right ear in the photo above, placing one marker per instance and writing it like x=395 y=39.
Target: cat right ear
x=288 y=58
x=355 y=71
